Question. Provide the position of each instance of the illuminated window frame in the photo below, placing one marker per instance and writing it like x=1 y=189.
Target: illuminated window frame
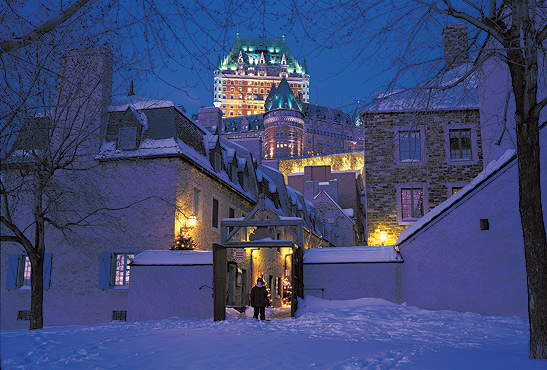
x=424 y=187
x=121 y=268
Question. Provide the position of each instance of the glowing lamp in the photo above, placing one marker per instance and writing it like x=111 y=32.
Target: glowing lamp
x=192 y=221
x=383 y=236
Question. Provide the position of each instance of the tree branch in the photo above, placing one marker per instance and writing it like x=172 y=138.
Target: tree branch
x=9 y=45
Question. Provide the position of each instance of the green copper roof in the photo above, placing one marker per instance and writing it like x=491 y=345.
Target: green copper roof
x=282 y=97
x=252 y=48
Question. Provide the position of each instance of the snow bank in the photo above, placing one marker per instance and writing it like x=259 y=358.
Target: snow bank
x=175 y=258
x=315 y=304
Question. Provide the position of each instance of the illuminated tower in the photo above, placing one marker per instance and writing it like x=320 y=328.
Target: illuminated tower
x=283 y=123
x=243 y=78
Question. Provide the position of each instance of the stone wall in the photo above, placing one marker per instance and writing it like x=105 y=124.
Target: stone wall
x=434 y=172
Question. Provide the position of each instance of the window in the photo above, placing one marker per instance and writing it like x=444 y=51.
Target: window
x=23 y=315
x=412 y=203
x=455 y=189
x=409 y=146
x=127 y=138
x=460 y=144
x=330 y=220
x=114 y=269
x=19 y=271
x=119 y=315
x=217 y=162
x=245 y=183
x=214 y=220
x=121 y=277
x=197 y=198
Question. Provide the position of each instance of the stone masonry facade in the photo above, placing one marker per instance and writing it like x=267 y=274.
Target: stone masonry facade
x=433 y=171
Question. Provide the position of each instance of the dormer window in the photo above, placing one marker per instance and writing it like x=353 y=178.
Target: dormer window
x=217 y=162
x=234 y=173
x=127 y=138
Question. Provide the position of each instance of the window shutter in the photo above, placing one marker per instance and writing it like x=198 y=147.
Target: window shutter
x=105 y=270
x=11 y=278
x=47 y=270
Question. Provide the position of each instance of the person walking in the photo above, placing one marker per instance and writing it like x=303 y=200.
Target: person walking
x=259 y=299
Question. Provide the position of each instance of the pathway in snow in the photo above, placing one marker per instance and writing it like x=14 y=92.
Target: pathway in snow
x=342 y=335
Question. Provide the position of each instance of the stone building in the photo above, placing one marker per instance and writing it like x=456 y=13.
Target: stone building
x=300 y=129
x=337 y=197
x=164 y=178
x=243 y=79
x=421 y=146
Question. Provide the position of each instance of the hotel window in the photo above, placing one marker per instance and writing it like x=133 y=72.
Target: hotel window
x=409 y=146
x=214 y=219
x=19 y=271
x=114 y=269
x=197 y=198
x=412 y=203
x=460 y=144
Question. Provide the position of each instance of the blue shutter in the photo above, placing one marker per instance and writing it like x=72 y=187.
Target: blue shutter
x=11 y=278
x=105 y=265
x=47 y=270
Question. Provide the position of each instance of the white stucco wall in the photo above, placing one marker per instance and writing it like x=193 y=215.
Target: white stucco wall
x=353 y=280
x=160 y=292
x=454 y=265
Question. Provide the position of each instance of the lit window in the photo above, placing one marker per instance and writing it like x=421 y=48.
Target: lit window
x=121 y=276
x=460 y=144
x=455 y=189
x=19 y=271
x=412 y=203
x=409 y=146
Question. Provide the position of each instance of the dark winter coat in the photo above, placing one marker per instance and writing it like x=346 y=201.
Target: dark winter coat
x=259 y=297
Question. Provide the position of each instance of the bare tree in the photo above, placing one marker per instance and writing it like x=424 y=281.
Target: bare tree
x=400 y=37
x=58 y=67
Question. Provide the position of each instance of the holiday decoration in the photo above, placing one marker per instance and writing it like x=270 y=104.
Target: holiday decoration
x=183 y=242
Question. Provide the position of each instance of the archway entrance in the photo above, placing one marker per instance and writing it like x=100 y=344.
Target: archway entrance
x=294 y=227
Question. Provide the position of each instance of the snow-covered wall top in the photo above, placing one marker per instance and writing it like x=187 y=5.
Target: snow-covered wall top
x=490 y=169
x=175 y=258
x=352 y=255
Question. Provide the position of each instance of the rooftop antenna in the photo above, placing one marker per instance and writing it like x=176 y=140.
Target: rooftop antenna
x=131 y=91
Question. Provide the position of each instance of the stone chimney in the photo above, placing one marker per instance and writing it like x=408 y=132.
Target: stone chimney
x=210 y=117
x=455 y=45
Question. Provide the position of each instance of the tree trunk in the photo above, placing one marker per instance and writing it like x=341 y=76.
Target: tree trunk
x=533 y=230
x=37 y=294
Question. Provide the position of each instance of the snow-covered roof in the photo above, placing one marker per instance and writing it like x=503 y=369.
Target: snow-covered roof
x=121 y=104
x=175 y=258
x=361 y=254
x=490 y=169
x=442 y=93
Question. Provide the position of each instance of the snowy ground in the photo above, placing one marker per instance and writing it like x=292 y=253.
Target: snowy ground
x=359 y=334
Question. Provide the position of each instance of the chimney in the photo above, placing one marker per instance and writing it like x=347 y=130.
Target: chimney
x=210 y=117
x=455 y=45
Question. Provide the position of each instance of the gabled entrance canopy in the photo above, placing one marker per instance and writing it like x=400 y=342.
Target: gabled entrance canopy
x=230 y=227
